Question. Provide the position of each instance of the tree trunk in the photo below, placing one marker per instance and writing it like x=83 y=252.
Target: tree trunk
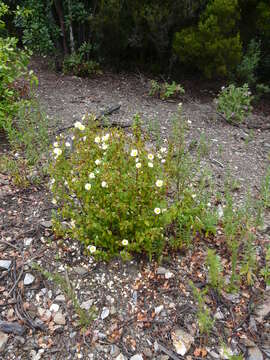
x=59 y=11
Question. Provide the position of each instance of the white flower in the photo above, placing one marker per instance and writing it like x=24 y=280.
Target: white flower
x=180 y=105
x=134 y=153
x=79 y=125
x=52 y=181
x=138 y=165
x=67 y=144
x=72 y=223
x=193 y=196
x=97 y=140
x=137 y=160
x=209 y=204
x=54 y=201
x=57 y=151
x=55 y=144
x=104 y=146
x=97 y=171
x=150 y=156
x=150 y=164
x=159 y=156
x=163 y=149
x=83 y=118
x=189 y=122
x=163 y=161
x=84 y=138
x=66 y=183
x=92 y=249
x=125 y=242
x=104 y=184
x=87 y=186
x=97 y=162
x=105 y=137
x=159 y=183
x=91 y=175
x=157 y=211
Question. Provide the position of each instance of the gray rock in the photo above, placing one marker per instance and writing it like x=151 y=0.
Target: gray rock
x=80 y=270
x=219 y=315
x=59 y=318
x=137 y=357
x=60 y=298
x=54 y=307
x=182 y=341
x=120 y=357
x=5 y=264
x=168 y=275
x=158 y=309
x=46 y=223
x=115 y=351
x=28 y=241
x=86 y=305
x=148 y=353
x=254 y=354
x=161 y=270
x=105 y=313
x=28 y=279
x=3 y=341
x=263 y=309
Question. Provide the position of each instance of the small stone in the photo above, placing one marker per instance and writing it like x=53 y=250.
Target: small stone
x=46 y=223
x=3 y=341
x=137 y=357
x=120 y=357
x=263 y=309
x=115 y=351
x=148 y=353
x=254 y=353
x=28 y=241
x=158 y=309
x=60 y=298
x=28 y=279
x=20 y=339
x=86 y=305
x=220 y=211
x=225 y=353
x=54 y=307
x=219 y=315
x=161 y=270
x=59 y=318
x=252 y=324
x=5 y=264
x=105 y=313
x=182 y=341
x=46 y=315
x=80 y=270
x=168 y=275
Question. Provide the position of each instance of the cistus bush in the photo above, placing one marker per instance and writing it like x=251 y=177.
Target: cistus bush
x=111 y=189
x=234 y=103
x=213 y=46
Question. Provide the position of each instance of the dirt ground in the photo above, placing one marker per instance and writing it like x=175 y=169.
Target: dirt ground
x=141 y=309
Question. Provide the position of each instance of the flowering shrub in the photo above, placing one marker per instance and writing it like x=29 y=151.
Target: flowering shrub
x=234 y=102
x=111 y=189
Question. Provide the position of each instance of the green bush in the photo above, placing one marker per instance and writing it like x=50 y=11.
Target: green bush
x=214 y=45
x=246 y=70
x=74 y=64
x=111 y=190
x=234 y=103
x=15 y=79
x=165 y=90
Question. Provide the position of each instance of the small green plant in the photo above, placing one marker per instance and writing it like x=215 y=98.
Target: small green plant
x=249 y=262
x=15 y=168
x=206 y=322
x=169 y=91
x=265 y=271
x=234 y=103
x=214 y=270
x=165 y=90
x=154 y=88
x=85 y=317
x=265 y=189
x=112 y=190
x=79 y=63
